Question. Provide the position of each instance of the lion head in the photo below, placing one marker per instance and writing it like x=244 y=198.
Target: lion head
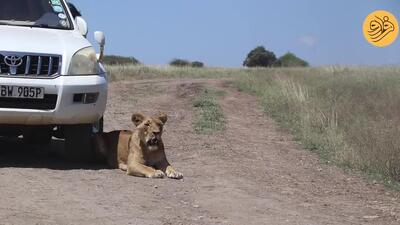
x=150 y=129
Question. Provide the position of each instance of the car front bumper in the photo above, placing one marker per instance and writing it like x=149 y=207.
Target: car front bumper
x=66 y=111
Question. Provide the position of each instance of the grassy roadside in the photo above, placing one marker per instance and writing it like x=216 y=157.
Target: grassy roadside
x=348 y=116
x=123 y=72
x=210 y=117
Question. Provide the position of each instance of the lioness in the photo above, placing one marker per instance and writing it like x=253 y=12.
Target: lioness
x=139 y=153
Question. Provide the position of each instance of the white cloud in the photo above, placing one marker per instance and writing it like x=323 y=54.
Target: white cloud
x=307 y=40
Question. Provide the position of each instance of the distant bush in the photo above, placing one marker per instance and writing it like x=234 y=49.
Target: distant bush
x=260 y=57
x=291 y=60
x=119 y=60
x=186 y=63
x=197 y=64
x=179 y=62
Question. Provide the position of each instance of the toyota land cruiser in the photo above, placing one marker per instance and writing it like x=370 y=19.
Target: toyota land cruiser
x=51 y=80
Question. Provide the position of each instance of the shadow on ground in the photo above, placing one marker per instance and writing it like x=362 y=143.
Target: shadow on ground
x=15 y=153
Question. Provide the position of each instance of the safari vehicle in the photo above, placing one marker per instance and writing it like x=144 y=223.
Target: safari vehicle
x=51 y=80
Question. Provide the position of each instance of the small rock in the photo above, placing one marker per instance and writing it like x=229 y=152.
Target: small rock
x=370 y=217
x=287 y=192
x=196 y=206
x=155 y=186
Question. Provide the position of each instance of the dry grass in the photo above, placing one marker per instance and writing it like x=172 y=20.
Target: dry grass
x=123 y=72
x=348 y=115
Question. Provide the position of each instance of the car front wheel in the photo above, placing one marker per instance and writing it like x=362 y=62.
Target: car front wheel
x=78 y=142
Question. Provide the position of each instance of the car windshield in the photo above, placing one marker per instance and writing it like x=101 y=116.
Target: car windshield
x=34 y=13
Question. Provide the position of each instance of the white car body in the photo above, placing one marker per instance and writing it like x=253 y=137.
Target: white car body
x=20 y=41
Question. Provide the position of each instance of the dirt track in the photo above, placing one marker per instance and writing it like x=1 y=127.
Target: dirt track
x=252 y=173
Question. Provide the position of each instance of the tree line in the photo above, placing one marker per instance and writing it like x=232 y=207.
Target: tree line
x=261 y=57
x=258 y=57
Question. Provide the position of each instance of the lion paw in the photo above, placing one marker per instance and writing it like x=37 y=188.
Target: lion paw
x=157 y=174
x=175 y=175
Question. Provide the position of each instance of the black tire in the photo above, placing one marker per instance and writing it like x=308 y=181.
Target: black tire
x=78 y=142
x=38 y=135
x=98 y=127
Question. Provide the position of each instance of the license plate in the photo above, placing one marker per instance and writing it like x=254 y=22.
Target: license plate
x=7 y=91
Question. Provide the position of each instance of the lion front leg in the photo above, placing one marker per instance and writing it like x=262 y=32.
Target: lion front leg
x=170 y=171
x=123 y=166
x=139 y=170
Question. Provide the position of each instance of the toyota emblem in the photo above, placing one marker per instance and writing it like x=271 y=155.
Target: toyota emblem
x=13 y=62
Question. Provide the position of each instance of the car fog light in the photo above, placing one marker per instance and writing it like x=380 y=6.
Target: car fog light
x=86 y=98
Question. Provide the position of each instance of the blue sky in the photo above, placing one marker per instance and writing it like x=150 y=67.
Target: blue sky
x=222 y=32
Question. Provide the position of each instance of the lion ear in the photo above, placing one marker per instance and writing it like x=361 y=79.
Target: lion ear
x=137 y=118
x=163 y=117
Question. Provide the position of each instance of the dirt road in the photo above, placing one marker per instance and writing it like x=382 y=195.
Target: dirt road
x=252 y=173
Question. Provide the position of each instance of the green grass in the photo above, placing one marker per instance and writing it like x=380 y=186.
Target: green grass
x=349 y=116
x=210 y=117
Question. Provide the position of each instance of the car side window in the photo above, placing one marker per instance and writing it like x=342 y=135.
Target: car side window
x=74 y=11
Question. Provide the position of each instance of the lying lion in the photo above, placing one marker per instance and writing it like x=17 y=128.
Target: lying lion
x=139 y=153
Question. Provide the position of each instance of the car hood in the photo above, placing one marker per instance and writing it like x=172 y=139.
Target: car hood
x=40 y=40
x=43 y=41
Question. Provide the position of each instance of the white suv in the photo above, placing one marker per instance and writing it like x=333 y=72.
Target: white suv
x=51 y=81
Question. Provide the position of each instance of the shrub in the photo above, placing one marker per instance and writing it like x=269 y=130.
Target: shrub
x=119 y=60
x=180 y=63
x=197 y=64
x=186 y=63
x=260 y=57
x=291 y=60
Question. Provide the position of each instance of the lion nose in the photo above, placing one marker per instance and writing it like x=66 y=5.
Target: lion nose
x=153 y=141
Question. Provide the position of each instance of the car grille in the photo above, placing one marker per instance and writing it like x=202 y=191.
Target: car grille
x=33 y=65
x=47 y=103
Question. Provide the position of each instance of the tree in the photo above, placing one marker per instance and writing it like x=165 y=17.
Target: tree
x=260 y=57
x=291 y=60
x=180 y=63
x=119 y=60
x=197 y=64
x=186 y=63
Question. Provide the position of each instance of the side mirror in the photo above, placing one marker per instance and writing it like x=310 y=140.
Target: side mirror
x=82 y=25
x=101 y=40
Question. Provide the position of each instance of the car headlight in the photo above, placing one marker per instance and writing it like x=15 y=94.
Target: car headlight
x=84 y=62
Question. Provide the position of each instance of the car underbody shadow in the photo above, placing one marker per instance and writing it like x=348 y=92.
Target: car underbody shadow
x=15 y=153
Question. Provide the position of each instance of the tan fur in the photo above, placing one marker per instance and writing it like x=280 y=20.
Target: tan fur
x=140 y=153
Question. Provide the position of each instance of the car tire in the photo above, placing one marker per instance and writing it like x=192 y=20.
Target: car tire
x=98 y=127
x=78 y=142
x=37 y=135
